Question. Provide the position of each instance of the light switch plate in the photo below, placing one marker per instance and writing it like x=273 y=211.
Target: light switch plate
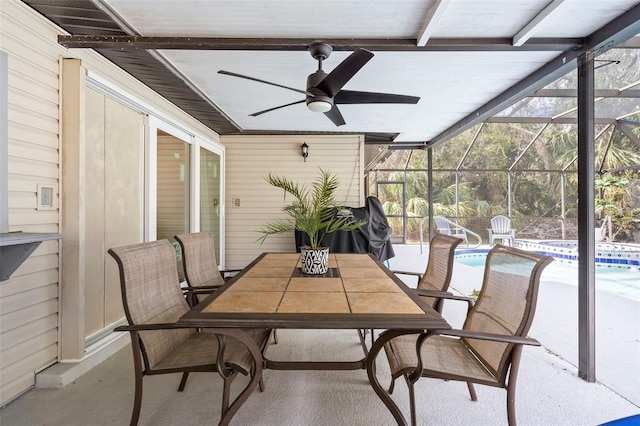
x=47 y=197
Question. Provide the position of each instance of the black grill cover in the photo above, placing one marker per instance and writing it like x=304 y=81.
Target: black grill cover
x=372 y=237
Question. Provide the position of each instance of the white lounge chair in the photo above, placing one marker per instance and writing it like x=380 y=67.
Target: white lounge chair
x=444 y=227
x=501 y=230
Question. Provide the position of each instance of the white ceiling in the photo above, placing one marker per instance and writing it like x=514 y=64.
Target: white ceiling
x=451 y=85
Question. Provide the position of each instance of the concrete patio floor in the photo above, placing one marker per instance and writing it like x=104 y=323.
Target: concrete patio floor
x=549 y=391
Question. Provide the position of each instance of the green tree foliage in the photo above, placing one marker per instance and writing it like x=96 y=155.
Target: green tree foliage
x=614 y=201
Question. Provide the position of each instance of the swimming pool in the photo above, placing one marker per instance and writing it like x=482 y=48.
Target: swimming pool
x=613 y=278
x=608 y=255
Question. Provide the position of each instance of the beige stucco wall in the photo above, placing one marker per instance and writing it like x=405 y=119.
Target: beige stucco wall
x=251 y=158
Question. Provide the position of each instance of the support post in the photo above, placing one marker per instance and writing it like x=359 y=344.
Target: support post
x=4 y=143
x=509 y=190
x=72 y=291
x=430 y=189
x=586 y=219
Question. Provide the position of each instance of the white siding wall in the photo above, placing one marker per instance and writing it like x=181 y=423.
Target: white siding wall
x=29 y=300
x=250 y=158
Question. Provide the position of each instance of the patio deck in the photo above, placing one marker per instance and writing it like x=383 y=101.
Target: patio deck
x=549 y=391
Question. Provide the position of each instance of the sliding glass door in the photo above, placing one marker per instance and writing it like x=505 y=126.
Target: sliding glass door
x=211 y=203
x=185 y=185
x=173 y=183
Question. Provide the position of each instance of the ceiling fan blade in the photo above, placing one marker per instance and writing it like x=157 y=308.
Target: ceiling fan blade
x=337 y=78
x=255 y=114
x=335 y=116
x=355 y=97
x=233 y=74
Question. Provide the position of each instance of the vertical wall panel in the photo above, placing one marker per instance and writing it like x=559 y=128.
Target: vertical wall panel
x=123 y=188
x=112 y=193
x=73 y=210
x=95 y=207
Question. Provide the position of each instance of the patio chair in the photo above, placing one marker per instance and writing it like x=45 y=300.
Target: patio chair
x=443 y=226
x=200 y=266
x=153 y=303
x=434 y=282
x=201 y=269
x=488 y=348
x=437 y=276
x=501 y=230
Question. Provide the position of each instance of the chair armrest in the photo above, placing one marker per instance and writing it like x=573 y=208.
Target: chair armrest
x=448 y=296
x=142 y=327
x=191 y=292
x=224 y=273
x=417 y=274
x=204 y=287
x=202 y=291
x=518 y=340
x=442 y=294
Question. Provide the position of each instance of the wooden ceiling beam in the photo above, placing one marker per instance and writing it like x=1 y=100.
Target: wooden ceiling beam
x=434 y=14
x=530 y=29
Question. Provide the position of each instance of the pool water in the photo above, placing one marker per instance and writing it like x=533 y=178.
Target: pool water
x=621 y=281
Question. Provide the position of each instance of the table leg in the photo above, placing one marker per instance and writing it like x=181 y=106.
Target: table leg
x=362 y=335
x=256 y=354
x=371 y=371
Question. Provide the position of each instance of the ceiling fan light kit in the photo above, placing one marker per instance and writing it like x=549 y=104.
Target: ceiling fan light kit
x=319 y=106
x=324 y=91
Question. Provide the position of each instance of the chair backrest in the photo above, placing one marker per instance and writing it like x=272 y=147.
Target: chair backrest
x=437 y=276
x=506 y=303
x=500 y=224
x=151 y=294
x=442 y=225
x=199 y=259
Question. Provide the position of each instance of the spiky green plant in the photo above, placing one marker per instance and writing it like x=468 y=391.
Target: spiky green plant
x=312 y=211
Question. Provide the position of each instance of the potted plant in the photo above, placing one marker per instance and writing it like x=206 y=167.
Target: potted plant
x=314 y=212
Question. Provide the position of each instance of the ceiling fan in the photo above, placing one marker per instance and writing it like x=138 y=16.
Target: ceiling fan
x=324 y=91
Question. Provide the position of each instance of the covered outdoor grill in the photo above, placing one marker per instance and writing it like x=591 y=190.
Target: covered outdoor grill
x=373 y=237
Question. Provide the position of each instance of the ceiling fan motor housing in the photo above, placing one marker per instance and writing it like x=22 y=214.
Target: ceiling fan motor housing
x=312 y=81
x=320 y=50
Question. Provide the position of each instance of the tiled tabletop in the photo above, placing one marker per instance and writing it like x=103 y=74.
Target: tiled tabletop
x=270 y=287
x=357 y=292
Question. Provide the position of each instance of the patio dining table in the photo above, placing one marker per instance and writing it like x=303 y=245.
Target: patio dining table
x=357 y=292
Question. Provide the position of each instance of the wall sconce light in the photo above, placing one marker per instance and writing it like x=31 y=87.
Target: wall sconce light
x=305 y=151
